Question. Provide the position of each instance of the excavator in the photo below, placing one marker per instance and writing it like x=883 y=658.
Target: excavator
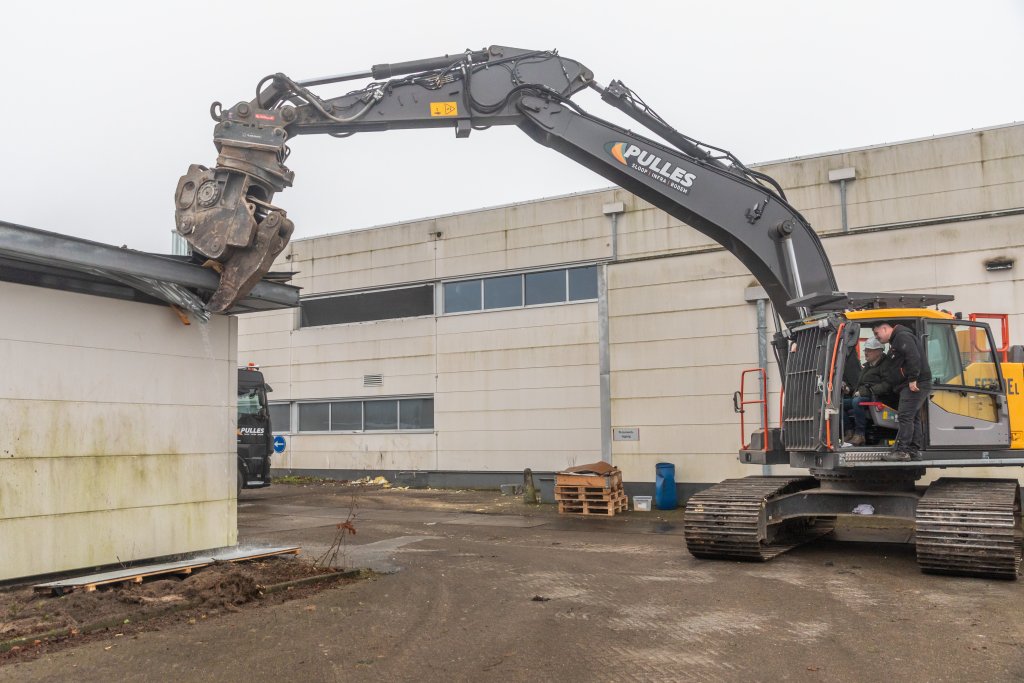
x=962 y=526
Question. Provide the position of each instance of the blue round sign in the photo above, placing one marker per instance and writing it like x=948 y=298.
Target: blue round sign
x=279 y=444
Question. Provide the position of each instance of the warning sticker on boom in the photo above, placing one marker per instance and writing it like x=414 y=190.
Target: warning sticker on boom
x=444 y=109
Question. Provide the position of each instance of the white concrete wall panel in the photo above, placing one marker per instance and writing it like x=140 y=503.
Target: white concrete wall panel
x=508 y=418
x=91 y=539
x=116 y=432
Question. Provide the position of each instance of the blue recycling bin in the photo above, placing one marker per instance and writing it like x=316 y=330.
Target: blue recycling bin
x=665 y=497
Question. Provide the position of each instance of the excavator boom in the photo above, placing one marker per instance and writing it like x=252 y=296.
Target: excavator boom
x=227 y=215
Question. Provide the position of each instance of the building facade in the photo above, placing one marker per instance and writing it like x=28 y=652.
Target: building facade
x=464 y=348
x=117 y=407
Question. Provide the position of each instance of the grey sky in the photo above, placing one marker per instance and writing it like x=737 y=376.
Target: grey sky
x=107 y=102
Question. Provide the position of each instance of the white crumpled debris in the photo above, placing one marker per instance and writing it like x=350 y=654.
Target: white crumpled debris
x=864 y=509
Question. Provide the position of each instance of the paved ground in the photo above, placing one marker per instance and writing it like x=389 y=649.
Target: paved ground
x=620 y=599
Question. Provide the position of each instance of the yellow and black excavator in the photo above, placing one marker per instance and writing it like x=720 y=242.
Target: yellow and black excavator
x=962 y=526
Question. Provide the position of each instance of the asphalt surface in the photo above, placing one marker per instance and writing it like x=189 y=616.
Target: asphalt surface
x=473 y=586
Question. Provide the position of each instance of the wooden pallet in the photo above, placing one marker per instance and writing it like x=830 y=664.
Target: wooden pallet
x=589 y=500
x=607 y=507
x=608 y=482
x=587 y=493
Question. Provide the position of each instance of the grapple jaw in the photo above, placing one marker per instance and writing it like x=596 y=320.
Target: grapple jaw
x=225 y=213
x=220 y=214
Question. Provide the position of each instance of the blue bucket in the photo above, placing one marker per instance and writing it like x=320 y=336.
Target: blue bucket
x=665 y=497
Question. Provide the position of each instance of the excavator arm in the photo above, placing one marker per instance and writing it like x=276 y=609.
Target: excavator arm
x=227 y=215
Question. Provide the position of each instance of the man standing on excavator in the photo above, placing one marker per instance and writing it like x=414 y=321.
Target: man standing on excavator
x=914 y=386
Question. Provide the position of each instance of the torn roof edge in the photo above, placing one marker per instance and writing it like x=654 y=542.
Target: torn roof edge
x=49 y=259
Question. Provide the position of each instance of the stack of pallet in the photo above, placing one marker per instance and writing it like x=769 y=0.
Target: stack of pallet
x=594 y=489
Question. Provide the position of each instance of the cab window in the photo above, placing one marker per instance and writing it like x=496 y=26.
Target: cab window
x=961 y=355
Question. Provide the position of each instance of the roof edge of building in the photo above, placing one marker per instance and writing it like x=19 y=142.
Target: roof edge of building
x=609 y=188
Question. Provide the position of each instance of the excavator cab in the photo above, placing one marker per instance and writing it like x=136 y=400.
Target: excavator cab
x=967 y=415
x=967 y=408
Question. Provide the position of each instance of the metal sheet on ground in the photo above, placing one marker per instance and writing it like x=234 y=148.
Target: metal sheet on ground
x=89 y=582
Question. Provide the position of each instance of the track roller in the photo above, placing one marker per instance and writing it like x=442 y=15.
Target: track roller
x=727 y=521
x=970 y=527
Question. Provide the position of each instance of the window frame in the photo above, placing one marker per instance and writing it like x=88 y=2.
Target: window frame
x=444 y=296
x=288 y=406
x=964 y=387
x=362 y=401
x=522 y=275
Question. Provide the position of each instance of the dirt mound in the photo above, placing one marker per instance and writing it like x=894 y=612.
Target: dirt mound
x=220 y=585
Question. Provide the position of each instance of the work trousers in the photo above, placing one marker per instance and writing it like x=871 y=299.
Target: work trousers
x=910 y=437
x=855 y=414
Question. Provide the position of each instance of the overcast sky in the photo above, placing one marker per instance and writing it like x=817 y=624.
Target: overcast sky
x=107 y=103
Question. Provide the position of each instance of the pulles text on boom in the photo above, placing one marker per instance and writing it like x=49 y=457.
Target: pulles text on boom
x=650 y=164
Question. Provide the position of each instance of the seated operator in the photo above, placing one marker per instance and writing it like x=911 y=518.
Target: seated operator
x=851 y=374
x=875 y=384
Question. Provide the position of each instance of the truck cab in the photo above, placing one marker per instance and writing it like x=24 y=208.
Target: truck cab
x=255 y=437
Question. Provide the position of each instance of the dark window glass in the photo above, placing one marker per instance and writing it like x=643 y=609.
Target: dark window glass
x=381 y=414
x=248 y=401
x=353 y=308
x=583 y=283
x=280 y=417
x=313 y=417
x=462 y=296
x=545 y=288
x=416 y=413
x=503 y=292
x=346 y=416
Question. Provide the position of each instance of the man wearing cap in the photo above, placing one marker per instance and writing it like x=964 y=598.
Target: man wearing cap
x=875 y=383
x=913 y=384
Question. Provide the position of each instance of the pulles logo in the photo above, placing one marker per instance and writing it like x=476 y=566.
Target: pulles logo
x=251 y=431
x=650 y=164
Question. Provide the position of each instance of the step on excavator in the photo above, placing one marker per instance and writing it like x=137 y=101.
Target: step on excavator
x=962 y=526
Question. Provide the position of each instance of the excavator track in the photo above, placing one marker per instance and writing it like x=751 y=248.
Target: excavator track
x=970 y=527
x=727 y=521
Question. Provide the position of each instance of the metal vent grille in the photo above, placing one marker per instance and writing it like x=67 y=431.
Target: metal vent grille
x=806 y=375
x=373 y=380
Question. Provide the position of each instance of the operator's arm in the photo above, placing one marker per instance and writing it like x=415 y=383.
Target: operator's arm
x=887 y=378
x=906 y=343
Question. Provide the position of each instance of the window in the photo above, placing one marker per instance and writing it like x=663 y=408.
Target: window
x=503 y=292
x=314 y=417
x=527 y=289
x=248 y=402
x=943 y=355
x=961 y=354
x=346 y=416
x=966 y=379
x=381 y=415
x=359 y=415
x=416 y=413
x=582 y=283
x=406 y=302
x=462 y=296
x=280 y=417
x=545 y=288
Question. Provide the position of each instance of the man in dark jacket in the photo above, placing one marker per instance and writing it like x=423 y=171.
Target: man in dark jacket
x=914 y=386
x=874 y=384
